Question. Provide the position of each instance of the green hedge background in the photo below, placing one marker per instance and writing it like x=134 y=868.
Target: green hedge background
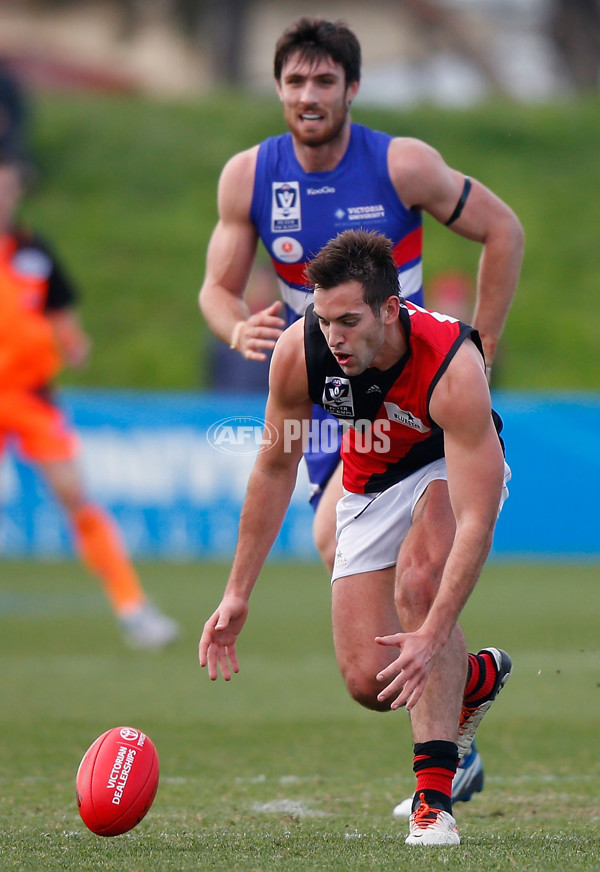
x=126 y=191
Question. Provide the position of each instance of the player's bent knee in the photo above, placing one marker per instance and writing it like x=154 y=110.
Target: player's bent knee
x=364 y=691
x=415 y=591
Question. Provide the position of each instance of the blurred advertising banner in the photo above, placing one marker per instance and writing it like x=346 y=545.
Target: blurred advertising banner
x=553 y=448
x=173 y=469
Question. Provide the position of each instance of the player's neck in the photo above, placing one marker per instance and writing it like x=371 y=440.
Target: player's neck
x=323 y=158
x=393 y=349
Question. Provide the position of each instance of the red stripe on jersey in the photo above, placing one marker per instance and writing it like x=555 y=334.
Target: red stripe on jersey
x=291 y=273
x=409 y=248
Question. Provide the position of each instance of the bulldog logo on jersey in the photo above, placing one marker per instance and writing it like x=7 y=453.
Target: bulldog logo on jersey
x=285 y=207
x=337 y=397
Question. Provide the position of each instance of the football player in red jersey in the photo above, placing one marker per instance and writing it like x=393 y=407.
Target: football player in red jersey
x=416 y=519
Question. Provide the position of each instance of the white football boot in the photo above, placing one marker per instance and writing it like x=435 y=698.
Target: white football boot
x=431 y=826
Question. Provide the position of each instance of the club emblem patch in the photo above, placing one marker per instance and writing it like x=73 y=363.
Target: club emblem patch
x=337 y=397
x=285 y=207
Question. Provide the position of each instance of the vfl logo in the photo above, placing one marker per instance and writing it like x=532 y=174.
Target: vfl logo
x=286 y=198
x=400 y=416
x=337 y=397
x=285 y=207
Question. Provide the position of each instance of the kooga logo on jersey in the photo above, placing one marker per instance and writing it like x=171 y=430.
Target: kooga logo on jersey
x=326 y=189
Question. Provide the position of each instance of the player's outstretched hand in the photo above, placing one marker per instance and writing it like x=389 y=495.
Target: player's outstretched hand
x=407 y=675
x=217 y=643
x=260 y=332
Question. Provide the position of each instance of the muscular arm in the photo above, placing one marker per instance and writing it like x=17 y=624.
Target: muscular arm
x=422 y=179
x=267 y=498
x=229 y=260
x=475 y=466
x=274 y=474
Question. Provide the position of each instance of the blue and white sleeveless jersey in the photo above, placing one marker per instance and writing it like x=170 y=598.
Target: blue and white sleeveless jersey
x=297 y=213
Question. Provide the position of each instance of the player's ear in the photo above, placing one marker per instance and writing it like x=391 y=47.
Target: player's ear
x=391 y=309
x=351 y=92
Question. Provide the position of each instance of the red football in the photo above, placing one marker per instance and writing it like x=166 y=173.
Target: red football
x=117 y=781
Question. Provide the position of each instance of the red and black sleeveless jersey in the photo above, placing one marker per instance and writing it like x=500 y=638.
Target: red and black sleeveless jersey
x=389 y=433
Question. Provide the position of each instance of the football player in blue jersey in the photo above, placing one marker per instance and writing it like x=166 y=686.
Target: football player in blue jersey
x=324 y=175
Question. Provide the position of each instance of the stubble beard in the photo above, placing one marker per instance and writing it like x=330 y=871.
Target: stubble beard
x=328 y=137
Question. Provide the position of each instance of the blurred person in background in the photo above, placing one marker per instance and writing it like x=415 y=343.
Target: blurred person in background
x=327 y=174
x=39 y=331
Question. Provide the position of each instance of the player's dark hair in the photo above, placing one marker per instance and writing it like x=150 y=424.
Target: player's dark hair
x=361 y=256
x=314 y=39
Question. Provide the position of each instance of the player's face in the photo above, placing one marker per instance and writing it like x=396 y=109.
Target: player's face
x=315 y=99
x=354 y=333
x=10 y=194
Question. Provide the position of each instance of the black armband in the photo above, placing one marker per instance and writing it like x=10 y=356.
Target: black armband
x=461 y=202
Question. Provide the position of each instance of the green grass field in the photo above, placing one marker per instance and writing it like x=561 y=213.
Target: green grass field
x=127 y=192
x=280 y=770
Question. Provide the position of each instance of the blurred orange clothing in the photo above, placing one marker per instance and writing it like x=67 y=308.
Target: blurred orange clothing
x=29 y=354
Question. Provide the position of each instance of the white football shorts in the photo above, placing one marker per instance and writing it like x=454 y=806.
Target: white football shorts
x=371 y=527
